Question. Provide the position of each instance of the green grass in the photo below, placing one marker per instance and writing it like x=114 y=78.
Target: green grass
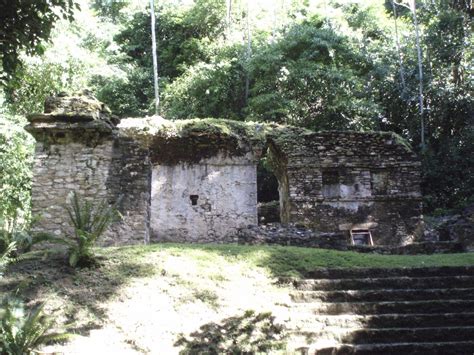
x=153 y=288
x=293 y=261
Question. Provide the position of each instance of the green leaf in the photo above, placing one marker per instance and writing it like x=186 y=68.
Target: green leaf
x=73 y=258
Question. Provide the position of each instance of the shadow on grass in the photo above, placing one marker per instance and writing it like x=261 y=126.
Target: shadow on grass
x=72 y=291
x=246 y=334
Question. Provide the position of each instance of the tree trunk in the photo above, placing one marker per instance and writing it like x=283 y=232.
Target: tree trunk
x=420 y=72
x=248 y=54
x=397 y=43
x=155 y=60
x=229 y=18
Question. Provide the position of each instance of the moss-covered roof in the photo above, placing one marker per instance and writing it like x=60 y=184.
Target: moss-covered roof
x=205 y=137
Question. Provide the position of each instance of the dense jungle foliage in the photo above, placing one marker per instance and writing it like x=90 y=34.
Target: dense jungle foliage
x=319 y=64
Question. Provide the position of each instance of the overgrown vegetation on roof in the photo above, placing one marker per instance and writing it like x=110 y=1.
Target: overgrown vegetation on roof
x=254 y=133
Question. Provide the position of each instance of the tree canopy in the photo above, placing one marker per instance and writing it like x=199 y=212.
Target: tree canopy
x=26 y=25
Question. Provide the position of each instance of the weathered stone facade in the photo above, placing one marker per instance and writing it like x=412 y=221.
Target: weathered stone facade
x=342 y=181
x=195 y=180
x=79 y=149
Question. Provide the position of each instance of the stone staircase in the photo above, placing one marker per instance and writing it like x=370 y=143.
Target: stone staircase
x=384 y=311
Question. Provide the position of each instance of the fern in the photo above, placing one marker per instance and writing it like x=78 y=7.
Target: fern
x=22 y=332
x=13 y=232
x=89 y=222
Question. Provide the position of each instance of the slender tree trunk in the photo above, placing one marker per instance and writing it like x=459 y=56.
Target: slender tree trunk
x=248 y=54
x=397 y=42
x=229 y=18
x=155 y=60
x=420 y=72
x=274 y=20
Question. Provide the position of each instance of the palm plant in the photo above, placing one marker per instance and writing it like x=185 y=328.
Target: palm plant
x=90 y=222
x=22 y=332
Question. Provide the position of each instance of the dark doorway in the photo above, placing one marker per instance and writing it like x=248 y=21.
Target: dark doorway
x=268 y=197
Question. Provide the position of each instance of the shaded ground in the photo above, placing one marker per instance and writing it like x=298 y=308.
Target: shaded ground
x=142 y=299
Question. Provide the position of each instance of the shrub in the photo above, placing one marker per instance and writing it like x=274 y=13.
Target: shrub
x=90 y=222
x=12 y=232
x=22 y=332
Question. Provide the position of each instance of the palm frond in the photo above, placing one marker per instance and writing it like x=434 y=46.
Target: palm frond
x=22 y=332
x=89 y=221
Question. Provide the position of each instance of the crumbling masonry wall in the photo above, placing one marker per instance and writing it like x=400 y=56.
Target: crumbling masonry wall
x=195 y=180
x=204 y=202
x=204 y=184
x=63 y=164
x=339 y=181
x=78 y=149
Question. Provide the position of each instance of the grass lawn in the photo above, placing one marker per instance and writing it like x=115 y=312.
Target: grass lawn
x=141 y=298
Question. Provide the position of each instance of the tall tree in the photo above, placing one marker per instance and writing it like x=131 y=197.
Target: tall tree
x=249 y=50
x=229 y=18
x=399 y=51
x=420 y=72
x=154 y=55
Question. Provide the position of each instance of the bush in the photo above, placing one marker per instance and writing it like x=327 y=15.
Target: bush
x=6 y=257
x=14 y=232
x=22 y=332
x=16 y=157
x=90 y=222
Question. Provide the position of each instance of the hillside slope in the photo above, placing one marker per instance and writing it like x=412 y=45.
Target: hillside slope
x=141 y=299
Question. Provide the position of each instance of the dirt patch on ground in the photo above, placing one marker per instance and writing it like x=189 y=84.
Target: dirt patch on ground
x=142 y=302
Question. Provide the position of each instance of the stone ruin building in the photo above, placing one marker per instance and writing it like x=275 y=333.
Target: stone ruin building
x=195 y=180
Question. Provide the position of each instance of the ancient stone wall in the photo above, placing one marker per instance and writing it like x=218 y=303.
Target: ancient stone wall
x=205 y=202
x=130 y=180
x=348 y=180
x=78 y=149
x=60 y=169
x=204 y=184
x=195 y=180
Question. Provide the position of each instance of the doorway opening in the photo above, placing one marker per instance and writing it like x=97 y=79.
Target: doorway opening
x=268 y=196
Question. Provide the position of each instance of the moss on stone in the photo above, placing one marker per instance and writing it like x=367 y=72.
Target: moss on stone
x=401 y=141
x=193 y=139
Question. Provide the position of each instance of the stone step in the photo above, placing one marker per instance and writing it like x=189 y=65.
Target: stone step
x=383 y=295
x=358 y=273
x=406 y=335
x=384 y=311
x=395 y=335
x=434 y=348
x=415 y=320
x=400 y=307
x=404 y=282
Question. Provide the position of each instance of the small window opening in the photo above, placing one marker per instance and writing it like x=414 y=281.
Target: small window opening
x=361 y=237
x=331 y=183
x=194 y=199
